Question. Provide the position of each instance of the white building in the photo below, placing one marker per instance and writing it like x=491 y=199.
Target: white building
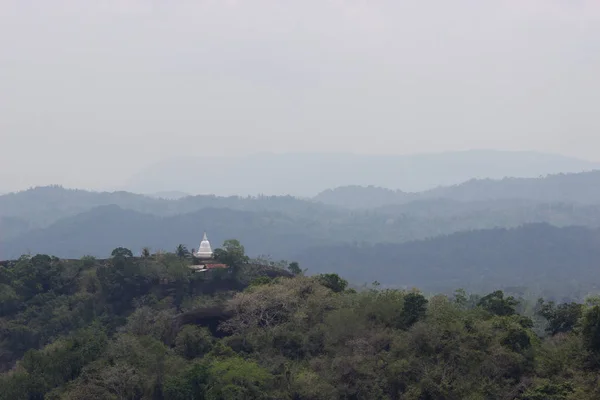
x=204 y=251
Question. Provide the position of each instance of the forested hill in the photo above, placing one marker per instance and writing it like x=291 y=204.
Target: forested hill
x=542 y=258
x=42 y=206
x=150 y=328
x=99 y=230
x=364 y=197
x=539 y=258
x=583 y=188
x=282 y=234
x=27 y=218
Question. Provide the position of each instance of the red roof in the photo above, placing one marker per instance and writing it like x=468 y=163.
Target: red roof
x=212 y=266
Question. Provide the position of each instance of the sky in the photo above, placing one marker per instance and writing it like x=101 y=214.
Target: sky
x=93 y=92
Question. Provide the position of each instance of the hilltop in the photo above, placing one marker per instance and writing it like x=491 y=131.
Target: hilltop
x=574 y=188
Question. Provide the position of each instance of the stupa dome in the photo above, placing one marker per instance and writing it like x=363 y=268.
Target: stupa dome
x=204 y=251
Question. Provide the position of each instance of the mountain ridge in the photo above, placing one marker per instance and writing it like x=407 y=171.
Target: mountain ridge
x=306 y=174
x=582 y=187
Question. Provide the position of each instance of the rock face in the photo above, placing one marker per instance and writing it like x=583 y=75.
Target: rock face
x=210 y=317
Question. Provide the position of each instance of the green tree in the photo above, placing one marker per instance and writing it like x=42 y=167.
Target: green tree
x=121 y=252
x=233 y=254
x=146 y=252
x=88 y=261
x=591 y=329
x=294 y=268
x=495 y=303
x=333 y=282
x=235 y=378
x=414 y=309
x=562 y=318
x=182 y=251
x=193 y=342
x=189 y=385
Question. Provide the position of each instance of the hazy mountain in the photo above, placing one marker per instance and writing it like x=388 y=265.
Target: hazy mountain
x=582 y=188
x=12 y=227
x=538 y=256
x=363 y=196
x=306 y=174
x=68 y=222
x=100 y=230
x=44 y=205
x=169 y=195
x=280 y=225
x=574 y=187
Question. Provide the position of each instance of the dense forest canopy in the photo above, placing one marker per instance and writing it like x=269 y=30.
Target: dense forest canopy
x=149 y=328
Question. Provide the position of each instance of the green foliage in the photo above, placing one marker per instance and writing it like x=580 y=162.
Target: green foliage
x=415 y=306
x=121 y=252
x=562 y=318
x=193 y=342
x=547 y=390
x=190 y=384
x=333 y=282
x=88 y=261
x=261 y=280
x=591 y=329
x=147 y=328
x=182 y=251
x=146 y=252
x=294 y=268
x=59 y=362
x=236 y=378
x=495 y=303
x=232 y=254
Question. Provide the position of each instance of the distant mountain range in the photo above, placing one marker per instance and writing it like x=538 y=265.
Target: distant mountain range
x=351 y=213
x=40 y=207
x=431 y=239
x=98 y=231
x=536 y=258
x=306 y=174
x=539 y=258
x=577 y=188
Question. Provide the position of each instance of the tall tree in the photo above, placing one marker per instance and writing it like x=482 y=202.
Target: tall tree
x=294 y=268
x=182 y=251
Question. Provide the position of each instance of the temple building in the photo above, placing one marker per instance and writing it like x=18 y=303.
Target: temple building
x=204 y=258
x=204 y=251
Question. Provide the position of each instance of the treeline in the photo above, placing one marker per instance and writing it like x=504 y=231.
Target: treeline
x=150 y=328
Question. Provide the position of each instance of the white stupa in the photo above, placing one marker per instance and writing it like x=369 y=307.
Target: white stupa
x=204 y=251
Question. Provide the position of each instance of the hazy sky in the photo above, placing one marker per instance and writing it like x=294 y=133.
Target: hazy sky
x=93 y=91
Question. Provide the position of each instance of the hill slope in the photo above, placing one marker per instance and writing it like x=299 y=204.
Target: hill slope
x=538 y=256
x=43 y=206
x=102 y=229
x=581 y=187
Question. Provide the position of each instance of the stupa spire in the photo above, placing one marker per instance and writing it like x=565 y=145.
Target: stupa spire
x=204 y=251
